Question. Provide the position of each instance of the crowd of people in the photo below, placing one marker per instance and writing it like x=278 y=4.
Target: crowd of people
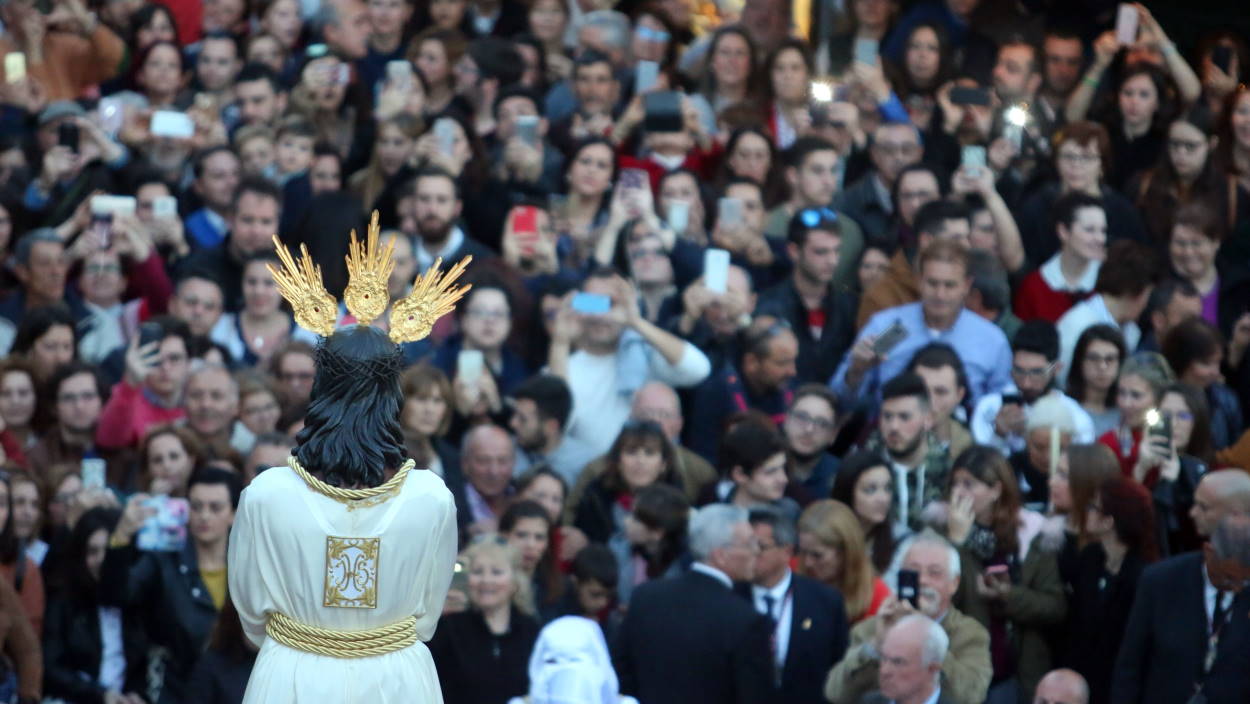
x=868 y=350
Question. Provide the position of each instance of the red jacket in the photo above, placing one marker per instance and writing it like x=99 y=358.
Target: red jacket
x=128 y=415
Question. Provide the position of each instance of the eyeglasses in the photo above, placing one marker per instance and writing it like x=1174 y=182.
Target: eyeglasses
x=645 y=252
x=101 y=269
x=814 y=217
x=1037 y=373
x=1102 y=360
x=1075 y=158
x=488 y=314
x=1178 y=415
x=296 y=376
x=802 y=418
x=75 y=398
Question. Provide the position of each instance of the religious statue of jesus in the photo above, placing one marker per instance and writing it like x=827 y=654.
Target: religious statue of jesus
x=340 y=561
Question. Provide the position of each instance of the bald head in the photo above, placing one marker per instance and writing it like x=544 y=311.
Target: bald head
x=1220 y=493
x=488 y=460
x=1062 y=687
x=658 y=403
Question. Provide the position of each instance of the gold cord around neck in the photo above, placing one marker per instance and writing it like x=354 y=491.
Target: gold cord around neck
x=354 y=498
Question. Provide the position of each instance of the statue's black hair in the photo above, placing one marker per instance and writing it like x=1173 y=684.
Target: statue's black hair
x=352 y=434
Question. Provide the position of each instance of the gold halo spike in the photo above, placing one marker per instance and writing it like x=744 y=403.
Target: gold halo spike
x=302 y=287
x=369 y=268
x=433 y=296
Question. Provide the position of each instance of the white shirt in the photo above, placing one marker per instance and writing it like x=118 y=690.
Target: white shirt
x=425 y=258
x=1091 y=311
x=986 y=412
x=1052 y=273
x=713 y=573
x=1209 y=593
x=782 y=614
x=902 y=491
x=112 y=674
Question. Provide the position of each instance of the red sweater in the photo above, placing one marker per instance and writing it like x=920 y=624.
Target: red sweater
x=127 y=417
x=1035 y=300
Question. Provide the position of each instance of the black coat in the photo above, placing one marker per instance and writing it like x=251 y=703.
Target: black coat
x=179 y=610
x=1166 y=640
x=691 y=639
x=818 y=357
x=1037 y=222
x=72 y=650
x=1229 y=681
x=219 y=679
x=1097 y=617
x=818 y=637
x=478 y=667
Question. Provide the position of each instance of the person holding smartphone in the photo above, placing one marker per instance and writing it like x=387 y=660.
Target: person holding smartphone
x=1010 y=570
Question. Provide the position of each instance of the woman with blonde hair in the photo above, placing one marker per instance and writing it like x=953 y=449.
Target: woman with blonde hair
x=482 y=653
x=1143 y=379
x=832 y=551
x=392 y=151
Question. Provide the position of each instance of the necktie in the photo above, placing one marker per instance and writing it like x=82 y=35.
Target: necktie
x=770 y=603
x=1217 y=615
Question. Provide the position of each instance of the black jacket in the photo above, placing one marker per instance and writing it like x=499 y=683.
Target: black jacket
x=818 y=638
x=692 y=639
x=179 y=611
x=1166 y=640
x=818 y=356
x=72 y=650
x=478 y=667
x=1037 y=222
x=1097 y=618
x=219 y=679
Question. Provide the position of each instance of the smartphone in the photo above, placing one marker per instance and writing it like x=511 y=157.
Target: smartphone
x=93 y=473
x=399 y=72
x=889 y=338
x=964 y=95
x=909 y=587
x=316 y=51
x=67 y=136
x=150 y=332
x=729 y=212
x=866 y=51
x=973 y=157
x=1126 y=24
x=14 y=67
x=111 y=114
x=716 y=270
x=166 y=529
x=662 y=112
x=172 y=124
x=469 y=365
x=1222 y=57
x=525 y=228
x=342 y=75
x=445 y=133
x=1160 y=428
x=101 y=227
x=678 y=216
x=645 y=75
x=165 y=207
x=591 y=303
x=527 y=129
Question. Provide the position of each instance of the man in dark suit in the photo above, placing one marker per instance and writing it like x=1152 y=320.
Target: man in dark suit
x=1179 y=609
x=809 y=624
x=911 y=663
x=1228 y=564
x=690 y=638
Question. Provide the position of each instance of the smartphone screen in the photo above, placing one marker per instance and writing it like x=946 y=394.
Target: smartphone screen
x=591 y=303
x=716 y=270
x=866 y=51
x=909 y=587
x=525 y=228
x=469 y=364
x=1126 y=24
x=645 y=75
x=67 y=136
x=729 y=212
x=14 y=67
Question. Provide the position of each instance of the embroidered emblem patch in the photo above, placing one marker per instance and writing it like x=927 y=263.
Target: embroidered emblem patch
x=352 y=572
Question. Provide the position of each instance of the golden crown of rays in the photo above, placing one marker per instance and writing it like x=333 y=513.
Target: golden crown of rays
x=369 y=266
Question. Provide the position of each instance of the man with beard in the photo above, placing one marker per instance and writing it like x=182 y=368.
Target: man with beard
x=904 y=436
x=1000 y=418
x=617 y=353
x=966 y=671
x=540 y=413
x=212 y=403
x=436 y=207
x=809 y=429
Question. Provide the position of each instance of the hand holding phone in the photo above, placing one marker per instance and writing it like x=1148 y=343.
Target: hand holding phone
x=14 y=67
x=716 y=270
x=909 y=587
x=165 y=530
x=92 y=473
x=729 y=212
x=866 y=51
x=889 y=338
x=525 y=228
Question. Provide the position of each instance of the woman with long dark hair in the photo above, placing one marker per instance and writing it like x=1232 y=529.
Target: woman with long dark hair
x=1185 y=173
x=528 y=528
x=865 y=483
x=1096 y=361
x=15 y=567
x=1183 y=461
x=1120 y=519
x=1009 y=569
x=79 y=630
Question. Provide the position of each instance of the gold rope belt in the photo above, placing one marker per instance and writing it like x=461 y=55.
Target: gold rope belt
x=341 y=644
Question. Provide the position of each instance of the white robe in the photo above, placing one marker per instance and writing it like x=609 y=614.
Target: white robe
x=278 y=562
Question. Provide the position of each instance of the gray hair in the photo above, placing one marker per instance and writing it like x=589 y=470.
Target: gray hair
x=989 y=278
x=22 y=250
x=205 y=367
x=784 y=532
x=712 y=528
x=1050 y=411
x=614 y=27
x=926 y=537
x=471 y=438
x=1231 y=538
x=936 y=642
